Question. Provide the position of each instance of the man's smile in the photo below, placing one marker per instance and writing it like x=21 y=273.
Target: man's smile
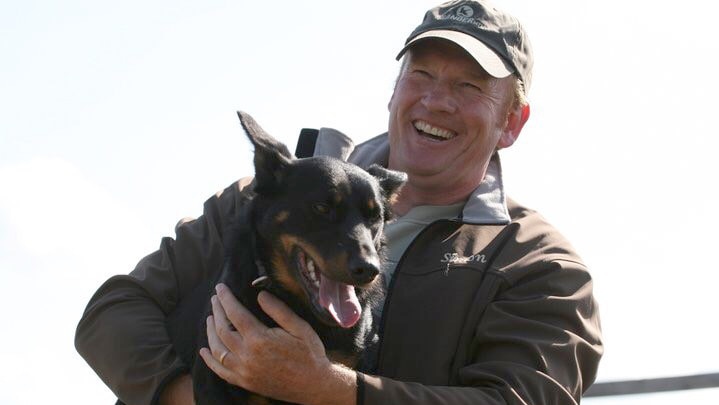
x=436 y=133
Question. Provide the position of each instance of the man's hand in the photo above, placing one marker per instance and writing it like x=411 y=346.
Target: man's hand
x=286 y=363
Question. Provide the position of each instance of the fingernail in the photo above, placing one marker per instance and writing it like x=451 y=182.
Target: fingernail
x=220 y=287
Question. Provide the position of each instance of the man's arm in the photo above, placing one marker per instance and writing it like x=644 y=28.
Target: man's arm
x=537 y=342
x=551 y=361
x=178 y=392
x=122 y=333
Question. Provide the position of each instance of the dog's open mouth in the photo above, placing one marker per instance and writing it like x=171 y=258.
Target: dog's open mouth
x=328 y=296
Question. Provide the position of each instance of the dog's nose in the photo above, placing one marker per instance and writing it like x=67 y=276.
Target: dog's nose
x=363 y=272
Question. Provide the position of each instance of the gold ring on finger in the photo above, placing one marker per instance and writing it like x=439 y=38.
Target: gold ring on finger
x=222 y=357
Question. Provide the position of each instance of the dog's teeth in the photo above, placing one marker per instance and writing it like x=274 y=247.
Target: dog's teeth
x=311 y=270
x=313 y=273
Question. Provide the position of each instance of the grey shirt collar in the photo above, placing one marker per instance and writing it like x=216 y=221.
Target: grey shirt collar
x=486 y=205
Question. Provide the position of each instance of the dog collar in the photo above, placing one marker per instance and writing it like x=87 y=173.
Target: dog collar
x=262 y=281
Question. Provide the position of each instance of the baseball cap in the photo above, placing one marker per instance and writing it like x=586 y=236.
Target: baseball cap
x=495 y=39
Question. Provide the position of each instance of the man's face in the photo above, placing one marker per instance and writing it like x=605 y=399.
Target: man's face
x=447 y=116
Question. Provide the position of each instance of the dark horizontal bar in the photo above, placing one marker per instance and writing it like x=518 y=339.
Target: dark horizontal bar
x=689 y=382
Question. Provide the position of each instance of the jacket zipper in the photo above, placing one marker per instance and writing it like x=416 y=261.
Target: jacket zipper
x=390 y=289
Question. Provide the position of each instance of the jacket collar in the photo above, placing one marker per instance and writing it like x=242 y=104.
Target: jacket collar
x=486 y=205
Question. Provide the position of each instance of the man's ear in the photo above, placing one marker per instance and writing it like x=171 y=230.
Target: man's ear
x=389 y=103
x=515 y=122
x=272 y=158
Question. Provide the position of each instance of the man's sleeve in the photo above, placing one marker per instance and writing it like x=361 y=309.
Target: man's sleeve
x=122 y=333
x=538 y=342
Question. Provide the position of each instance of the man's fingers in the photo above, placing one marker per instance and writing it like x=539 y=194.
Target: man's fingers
x=220 y=333
x=284 y=316
x=218 y=355
x=217 y=346
x=236 y=313
x=216 y=366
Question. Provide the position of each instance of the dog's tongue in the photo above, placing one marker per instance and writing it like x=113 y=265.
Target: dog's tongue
x=340 y=301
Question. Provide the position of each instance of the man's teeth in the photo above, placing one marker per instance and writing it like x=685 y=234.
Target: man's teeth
x=429 y=129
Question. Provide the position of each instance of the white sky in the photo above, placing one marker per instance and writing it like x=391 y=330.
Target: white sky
x=118 y=118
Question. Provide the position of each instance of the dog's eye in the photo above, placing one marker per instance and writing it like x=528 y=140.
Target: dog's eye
x=321 y=208
x=374 y=213
x=373 y=210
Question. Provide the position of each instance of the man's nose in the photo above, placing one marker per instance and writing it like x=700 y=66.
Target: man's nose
x=440 y=98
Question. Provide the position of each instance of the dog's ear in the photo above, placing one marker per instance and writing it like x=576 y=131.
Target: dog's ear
x=390 y=180
x=272 y=158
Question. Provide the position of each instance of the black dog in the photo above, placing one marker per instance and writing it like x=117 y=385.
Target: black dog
x=312 y=235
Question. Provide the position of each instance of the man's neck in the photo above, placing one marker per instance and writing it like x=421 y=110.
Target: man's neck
x=411 y=196
x=435 y=189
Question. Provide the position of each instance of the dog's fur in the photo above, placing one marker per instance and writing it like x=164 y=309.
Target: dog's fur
x=320 y=210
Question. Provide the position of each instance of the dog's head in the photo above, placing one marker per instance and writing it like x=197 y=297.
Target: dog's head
x=320 y=221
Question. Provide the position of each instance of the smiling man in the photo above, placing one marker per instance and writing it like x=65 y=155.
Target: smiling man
x=487 y=303
x=447 y=117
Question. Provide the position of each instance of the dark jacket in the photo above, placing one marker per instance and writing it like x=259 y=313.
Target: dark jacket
x=494 y=307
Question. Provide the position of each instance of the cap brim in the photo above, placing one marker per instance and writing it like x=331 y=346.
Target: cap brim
x=485 y=56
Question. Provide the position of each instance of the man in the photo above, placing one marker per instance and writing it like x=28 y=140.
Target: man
x=487 y=303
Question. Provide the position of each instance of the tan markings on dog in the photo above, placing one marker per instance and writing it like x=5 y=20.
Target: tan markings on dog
x=289 y=242
x=285 y=275
x=254 y=399
x=282 y=274
x=282 y=217
x=371 y=204
x=337 y=199
x=349 y=360
x=337 y=265
x=392 y=199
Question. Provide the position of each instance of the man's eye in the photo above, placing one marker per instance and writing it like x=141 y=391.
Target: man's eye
x=471 y=86
x=321 y=208
x=422 y=73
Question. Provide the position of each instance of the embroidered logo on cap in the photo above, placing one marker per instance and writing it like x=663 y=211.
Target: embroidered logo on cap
x=465 y=11
x=463 y=14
